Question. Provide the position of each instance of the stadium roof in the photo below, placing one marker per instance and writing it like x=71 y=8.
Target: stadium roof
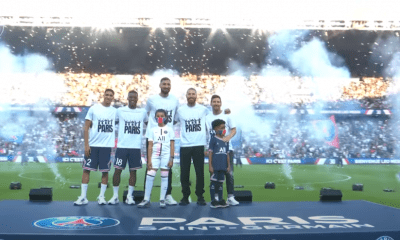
x=262 y=14
x=262 y=9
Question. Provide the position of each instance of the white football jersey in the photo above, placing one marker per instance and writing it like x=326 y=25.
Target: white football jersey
x=161 y=138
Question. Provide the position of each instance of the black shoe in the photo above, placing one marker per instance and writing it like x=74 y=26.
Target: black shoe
x=214 y=204
x=201 y=201
x=223 y=203
x=184 y=202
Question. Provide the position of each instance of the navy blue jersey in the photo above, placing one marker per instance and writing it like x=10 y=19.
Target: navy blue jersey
x=219 y=151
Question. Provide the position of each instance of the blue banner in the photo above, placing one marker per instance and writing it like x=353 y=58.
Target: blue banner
x=13 y=138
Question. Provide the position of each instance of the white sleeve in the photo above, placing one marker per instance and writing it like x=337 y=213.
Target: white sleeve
x=171 y=134
x=231 y=122
x=117 y=115
x=177 y=105
x=151 y=135
x=145 y=117
x=89 y=115
x=206 y=111
x=176 y=116
x=148 y=105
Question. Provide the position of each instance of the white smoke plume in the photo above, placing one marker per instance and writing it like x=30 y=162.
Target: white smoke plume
x=386 y=53
x=28 y=79
x=293 y=56
x=236 y=96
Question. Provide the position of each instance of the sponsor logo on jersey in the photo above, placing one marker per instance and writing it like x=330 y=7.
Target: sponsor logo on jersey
x=193 y=125
x=105 y=125
x=132 y=127
x=76 y=223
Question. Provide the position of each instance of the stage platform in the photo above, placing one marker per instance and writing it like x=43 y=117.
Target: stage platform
x=259 y=220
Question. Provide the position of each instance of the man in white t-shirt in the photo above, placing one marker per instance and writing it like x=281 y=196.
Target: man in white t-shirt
x=193 y=139
x=170 y=104
x=130 y=132
x=230 y=128
x=100 y=119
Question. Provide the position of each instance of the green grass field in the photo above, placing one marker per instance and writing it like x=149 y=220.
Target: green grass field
x=253 y=177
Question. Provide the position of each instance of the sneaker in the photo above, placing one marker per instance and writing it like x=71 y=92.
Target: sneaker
x=129 y=200
x=170 y=201
x=144 y=204
x=101 y=200
x=232 y=201
x=201 y=201
x=81 y=201
x=113 y=200
x=184 y=202
x=214 y=204
x=223 y=203
x=162 y=204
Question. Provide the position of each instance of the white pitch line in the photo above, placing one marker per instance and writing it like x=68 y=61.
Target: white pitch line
x=44 y=180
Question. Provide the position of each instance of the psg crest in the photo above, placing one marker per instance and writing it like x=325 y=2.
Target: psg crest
x=326 y=129
x=75 y=223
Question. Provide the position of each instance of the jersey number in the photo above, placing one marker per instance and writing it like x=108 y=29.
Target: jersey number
x=88 y=162
x=118 y=162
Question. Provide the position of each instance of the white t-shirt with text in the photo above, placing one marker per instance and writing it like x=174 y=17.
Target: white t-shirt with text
x=170 y=104
x=130 y=130
x=102 y=133
x=193 y=125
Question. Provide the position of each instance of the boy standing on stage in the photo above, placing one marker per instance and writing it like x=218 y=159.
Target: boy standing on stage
x=170 y=104
x=131 y=121
x=217 y=113
x=219 y=163
x=100 y=119
x=160 y=155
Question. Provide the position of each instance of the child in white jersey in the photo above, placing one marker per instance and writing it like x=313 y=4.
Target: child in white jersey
x=160 y=156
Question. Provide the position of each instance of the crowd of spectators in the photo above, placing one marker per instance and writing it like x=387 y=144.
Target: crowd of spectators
x=62 y=135
x=85 y=89
x=44 y=134
x=361 y=137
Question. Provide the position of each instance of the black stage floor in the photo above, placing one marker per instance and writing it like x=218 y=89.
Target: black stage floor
x=261 y=220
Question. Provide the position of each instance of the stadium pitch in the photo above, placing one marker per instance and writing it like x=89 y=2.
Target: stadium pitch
x=60 y=176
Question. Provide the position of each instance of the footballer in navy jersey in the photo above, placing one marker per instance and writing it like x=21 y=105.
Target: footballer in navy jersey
x=219 y=163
